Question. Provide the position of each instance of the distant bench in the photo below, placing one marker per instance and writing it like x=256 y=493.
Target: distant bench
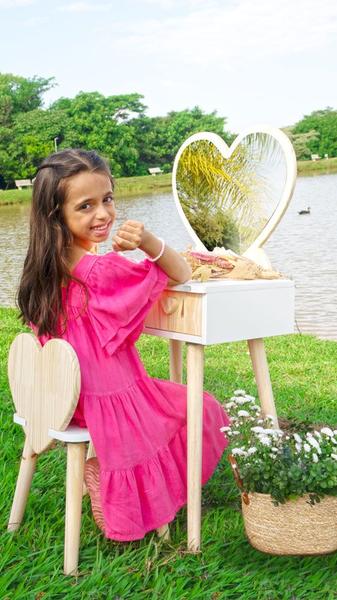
x=155 y=171
x=22 y=183
x=315 y=157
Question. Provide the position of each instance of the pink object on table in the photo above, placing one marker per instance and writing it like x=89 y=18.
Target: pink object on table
x=137 y=423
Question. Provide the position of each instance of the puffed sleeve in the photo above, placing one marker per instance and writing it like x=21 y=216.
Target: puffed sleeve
x=121 y=293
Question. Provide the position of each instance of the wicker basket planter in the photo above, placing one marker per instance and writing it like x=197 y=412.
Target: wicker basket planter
x=292 y=528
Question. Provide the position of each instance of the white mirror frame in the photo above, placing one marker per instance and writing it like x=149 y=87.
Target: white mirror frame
x=226 y=151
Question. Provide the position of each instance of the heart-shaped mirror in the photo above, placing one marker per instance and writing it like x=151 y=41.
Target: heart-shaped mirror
x=233 y=197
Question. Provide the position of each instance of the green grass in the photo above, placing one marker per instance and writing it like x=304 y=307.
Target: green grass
x=304 y=374
x=125 y=186
x=317 y=167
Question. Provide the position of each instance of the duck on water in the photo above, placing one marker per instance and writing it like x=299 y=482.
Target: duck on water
x=304 y=211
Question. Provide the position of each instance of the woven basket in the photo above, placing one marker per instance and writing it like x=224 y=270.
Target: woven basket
x=292 y=528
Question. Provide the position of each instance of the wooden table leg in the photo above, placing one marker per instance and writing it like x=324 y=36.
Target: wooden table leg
x=195 y=381
x=261 y=370
x=176 y=361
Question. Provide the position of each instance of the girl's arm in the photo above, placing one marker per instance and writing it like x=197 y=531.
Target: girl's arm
x=132 y=235
x=171 y=262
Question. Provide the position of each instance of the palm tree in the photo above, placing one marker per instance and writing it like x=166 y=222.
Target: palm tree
x=228 y=201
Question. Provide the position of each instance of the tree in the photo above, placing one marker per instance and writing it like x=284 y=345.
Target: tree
x=159 y=138
x=20 y=95
x=31 y=140
x=324 y=123
x=103 y=124
x=302 y=142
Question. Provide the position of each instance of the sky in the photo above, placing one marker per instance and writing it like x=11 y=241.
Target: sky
x=253 y=61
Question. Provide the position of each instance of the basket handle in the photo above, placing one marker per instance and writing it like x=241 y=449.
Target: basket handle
x=239 y=482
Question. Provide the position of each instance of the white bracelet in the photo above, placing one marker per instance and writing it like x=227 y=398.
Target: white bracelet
x=160 y=253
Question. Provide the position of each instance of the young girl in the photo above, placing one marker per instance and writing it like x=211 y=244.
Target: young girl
x=98 y=304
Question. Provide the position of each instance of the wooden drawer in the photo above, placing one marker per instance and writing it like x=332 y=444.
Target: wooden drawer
x=180 y=312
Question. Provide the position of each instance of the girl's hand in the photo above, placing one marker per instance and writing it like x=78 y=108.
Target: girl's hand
x=129 y=236
x=132 y=235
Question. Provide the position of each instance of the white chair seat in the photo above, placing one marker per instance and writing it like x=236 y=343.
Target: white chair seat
x=72 y=434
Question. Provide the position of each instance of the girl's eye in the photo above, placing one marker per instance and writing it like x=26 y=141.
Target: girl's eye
x=109 y=200
x=85 y=206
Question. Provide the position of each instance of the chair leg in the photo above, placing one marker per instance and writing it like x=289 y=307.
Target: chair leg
x=24 y=480
x=74 y=488
x=164 y=532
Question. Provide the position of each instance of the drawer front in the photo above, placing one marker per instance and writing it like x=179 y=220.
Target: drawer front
x=177 y=311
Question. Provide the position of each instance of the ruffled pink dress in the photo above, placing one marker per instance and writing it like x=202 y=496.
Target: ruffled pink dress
x=137 y=423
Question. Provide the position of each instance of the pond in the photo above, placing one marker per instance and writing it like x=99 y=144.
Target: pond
x=303 y=247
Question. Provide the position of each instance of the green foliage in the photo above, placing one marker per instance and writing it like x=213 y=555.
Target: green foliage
x=159 y=138
x=271 y=461
x=114 y=126
x=324 y=124
x=302 y=142
x=20 y=95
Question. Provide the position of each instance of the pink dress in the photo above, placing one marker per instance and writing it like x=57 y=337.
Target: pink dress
x=137 y=423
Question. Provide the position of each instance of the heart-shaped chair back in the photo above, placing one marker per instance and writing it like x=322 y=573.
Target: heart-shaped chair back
x=45 y=384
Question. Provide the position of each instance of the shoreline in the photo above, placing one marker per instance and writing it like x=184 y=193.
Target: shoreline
x=145 y=184
x=124 y=186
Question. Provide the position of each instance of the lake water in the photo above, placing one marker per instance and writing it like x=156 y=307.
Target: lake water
x=302 y=247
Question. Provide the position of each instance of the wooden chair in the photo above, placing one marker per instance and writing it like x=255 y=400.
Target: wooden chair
x=45 y=384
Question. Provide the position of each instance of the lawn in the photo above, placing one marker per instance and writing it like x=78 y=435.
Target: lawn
x=304 y=375
x=125 y=186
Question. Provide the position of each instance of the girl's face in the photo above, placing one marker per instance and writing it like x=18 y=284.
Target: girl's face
x=89 y=208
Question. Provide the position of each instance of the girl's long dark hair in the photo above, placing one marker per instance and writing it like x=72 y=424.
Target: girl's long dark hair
x=46 y=265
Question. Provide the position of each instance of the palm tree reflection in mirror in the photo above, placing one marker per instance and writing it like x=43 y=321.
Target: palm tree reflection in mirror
x=228 y=201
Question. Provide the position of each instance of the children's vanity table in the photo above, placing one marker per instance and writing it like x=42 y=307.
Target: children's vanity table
x=218 y=311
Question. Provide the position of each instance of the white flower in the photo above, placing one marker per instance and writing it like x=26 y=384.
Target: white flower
x=239 y=393
x=315 y=457
x=257 y=429
x=313 y=442
x=273 y=432
x=265 y=440
x=252 y=450
x=229 y=405
x=224 y=428
x=334 y=456
x=307 y=447
x=238 y=452
x=298 y=447
x=255 y=407
x=274 y=449
x=243 y=413
x=297 y=438
x=241 y=400
x=236 y=432
x=250 y=398
x=327 y=431
x=318 y=435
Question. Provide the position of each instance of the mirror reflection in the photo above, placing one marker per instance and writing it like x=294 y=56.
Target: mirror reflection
x=229 y=201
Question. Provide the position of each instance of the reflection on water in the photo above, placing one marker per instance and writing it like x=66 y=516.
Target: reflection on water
x=302 y=247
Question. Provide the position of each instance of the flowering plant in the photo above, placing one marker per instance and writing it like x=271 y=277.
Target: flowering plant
x=271 y=461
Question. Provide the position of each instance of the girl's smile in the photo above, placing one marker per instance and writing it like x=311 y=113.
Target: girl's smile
x=89 y=208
